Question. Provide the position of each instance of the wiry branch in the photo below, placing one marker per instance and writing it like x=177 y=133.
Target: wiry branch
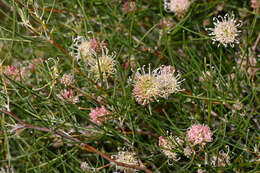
x=62 y=134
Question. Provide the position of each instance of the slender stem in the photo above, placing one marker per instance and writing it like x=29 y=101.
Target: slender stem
x=55 y=44
x=62 y=134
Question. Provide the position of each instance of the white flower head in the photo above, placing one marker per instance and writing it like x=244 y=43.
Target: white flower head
x=225 y=30
x=146 y=86
x=161 y=82
x=178 y=7
x=169 y=83
x=83 y=49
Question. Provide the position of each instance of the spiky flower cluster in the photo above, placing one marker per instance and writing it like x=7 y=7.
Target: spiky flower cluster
x=13 y=73
x=66 y=80
x=225 y=30
x=102 y=67
x=168 y=82
x=160 y=82
x=146 y=86
x=68 y=95
x=128 y=158
x=178 y=7
x=94 y=55
x=169 y=146
x=84 y=49
x=199 y=134
x=97 y=115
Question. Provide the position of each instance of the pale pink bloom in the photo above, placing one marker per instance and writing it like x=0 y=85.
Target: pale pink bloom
x=98 y=114
x=254 y=4
x=199 y=134
x=12 y=72
x=66 y=80
x=84 y=166
x=128 y=6
x=68 y=95
x=93 y=43
x=97 y=45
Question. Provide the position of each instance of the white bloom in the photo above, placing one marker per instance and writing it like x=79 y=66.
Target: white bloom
x=226 y=30
x=146 y=86
x=168 y=82
x=82 y=49
x=178 y=7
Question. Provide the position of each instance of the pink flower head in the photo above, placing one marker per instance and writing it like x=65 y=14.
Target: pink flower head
x=128 y=6
x=199 y=134
x=68 y=95
x=11 y=71
x=93 y=43
x=66 y=80
x=97 y=114
x=162 y=141
x=254 y=4
x=96 y=44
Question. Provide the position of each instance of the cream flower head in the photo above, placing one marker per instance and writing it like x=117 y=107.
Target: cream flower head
x=82 y=48
x=178 y=7
x=146 y=86
x=225 y=30
x=103 y=66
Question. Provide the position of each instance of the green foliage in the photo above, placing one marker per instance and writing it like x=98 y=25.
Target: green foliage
x=220 y=85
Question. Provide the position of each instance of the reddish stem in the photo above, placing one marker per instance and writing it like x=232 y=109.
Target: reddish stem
x=62 y=134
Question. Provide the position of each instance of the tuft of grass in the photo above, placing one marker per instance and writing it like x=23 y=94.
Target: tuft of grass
x=42 y=131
